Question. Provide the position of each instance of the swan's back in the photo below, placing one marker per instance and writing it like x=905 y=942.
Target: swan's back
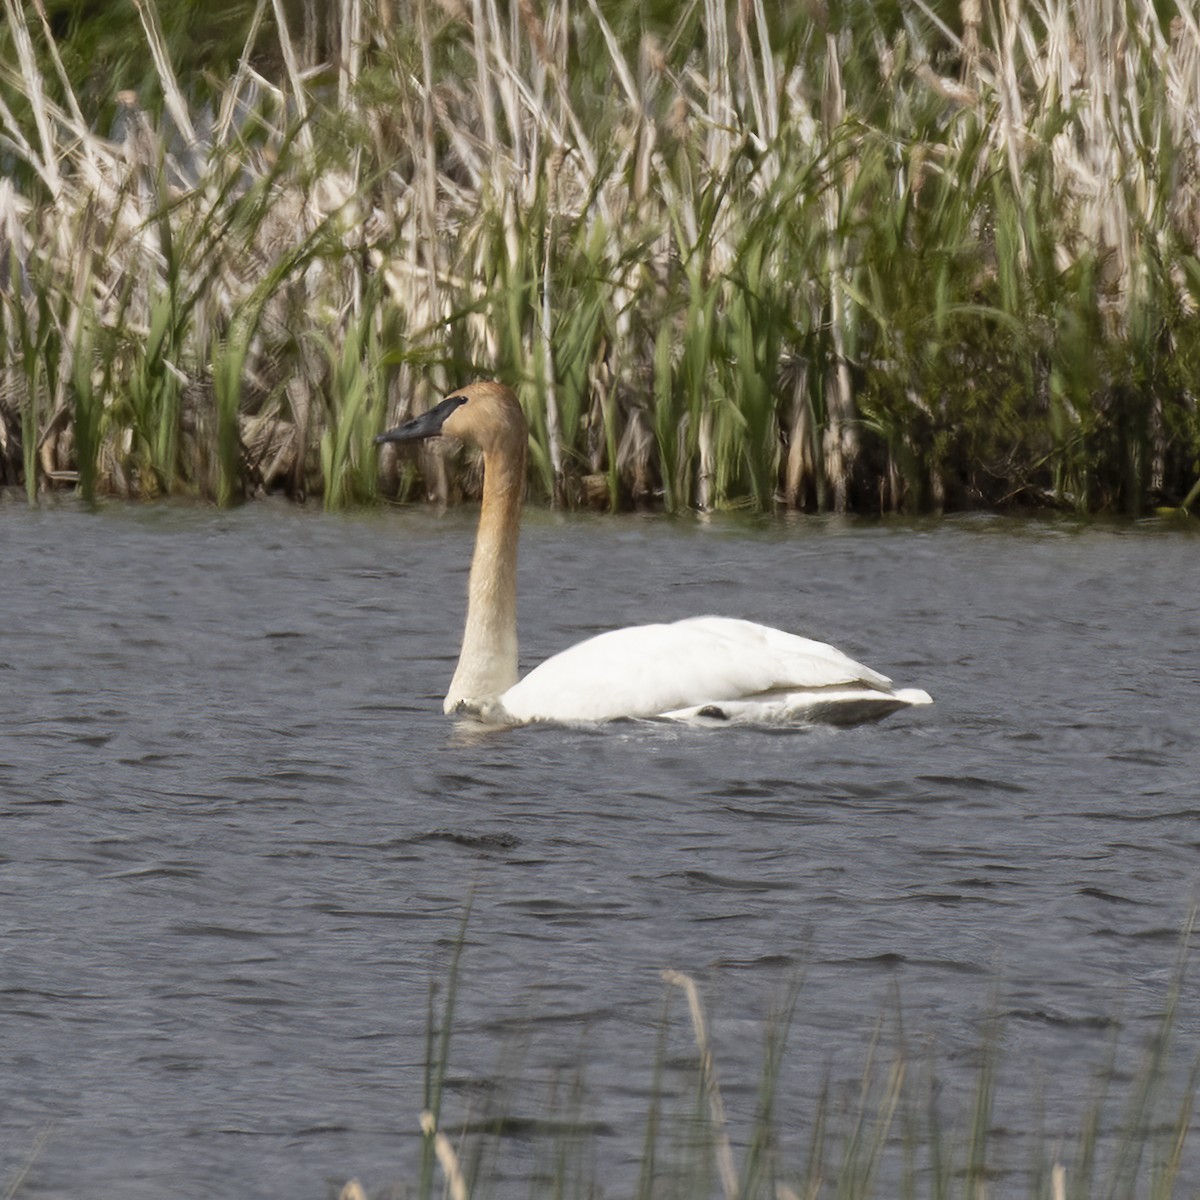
x=699 y=663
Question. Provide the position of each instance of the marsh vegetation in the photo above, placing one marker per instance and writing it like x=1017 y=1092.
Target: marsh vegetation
x=894 y=1134
x=828 y=256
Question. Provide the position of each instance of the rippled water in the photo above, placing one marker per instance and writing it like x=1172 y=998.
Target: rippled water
x=238 y=834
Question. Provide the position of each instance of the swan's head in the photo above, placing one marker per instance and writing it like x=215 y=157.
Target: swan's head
x=486 y=414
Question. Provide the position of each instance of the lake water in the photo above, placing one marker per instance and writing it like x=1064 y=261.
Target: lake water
x=238 y=836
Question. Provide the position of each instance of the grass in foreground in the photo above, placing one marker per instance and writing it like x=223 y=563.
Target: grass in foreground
x=895 y=1138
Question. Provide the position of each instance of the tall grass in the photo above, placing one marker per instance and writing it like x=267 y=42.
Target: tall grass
x=845 y=257
x=897 y=1133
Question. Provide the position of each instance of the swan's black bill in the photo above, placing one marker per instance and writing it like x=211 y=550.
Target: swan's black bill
x=427 y=425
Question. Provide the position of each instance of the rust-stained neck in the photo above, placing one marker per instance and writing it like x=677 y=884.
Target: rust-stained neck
x=487 y=664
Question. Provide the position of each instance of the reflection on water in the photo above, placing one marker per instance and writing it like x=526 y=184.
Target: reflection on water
x=238 y=834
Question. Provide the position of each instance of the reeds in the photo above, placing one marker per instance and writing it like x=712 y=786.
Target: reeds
x=869 y=258
x=897 y=1132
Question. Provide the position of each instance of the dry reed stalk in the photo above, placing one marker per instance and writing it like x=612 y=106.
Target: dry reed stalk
x=429 y=237
x=292 y=63
x=79 y=123
x=840 y=443
x=724 y=1150
x=231 y=96
x=446 y=1157
x=545 y=329
x=172 y=95
x=45 y=163
x=484 y=93
x=801 y=465
x=1008 y=87
x=350 y=58
x=506 y=79
x=1058 y=1182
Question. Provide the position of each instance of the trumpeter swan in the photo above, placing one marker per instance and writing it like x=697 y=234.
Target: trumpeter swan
x=705 y=670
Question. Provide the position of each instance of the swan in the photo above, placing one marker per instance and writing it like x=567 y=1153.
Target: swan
x=702 y=670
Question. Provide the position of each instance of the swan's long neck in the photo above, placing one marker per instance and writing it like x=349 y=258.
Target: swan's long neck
x=487 y=665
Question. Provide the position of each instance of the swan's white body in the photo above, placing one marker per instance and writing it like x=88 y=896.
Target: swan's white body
x=702 y=670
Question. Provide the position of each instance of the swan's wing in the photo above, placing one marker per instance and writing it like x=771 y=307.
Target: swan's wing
x=852 y=705
x=649 y=670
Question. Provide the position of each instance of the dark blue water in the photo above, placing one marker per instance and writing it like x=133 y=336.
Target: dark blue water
x=237 y=837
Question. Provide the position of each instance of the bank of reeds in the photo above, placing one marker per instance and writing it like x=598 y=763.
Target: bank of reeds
x=839 y=257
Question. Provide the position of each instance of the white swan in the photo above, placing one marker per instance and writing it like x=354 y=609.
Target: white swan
x=704 y=670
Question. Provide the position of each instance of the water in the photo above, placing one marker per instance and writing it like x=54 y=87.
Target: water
x=238 y=835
